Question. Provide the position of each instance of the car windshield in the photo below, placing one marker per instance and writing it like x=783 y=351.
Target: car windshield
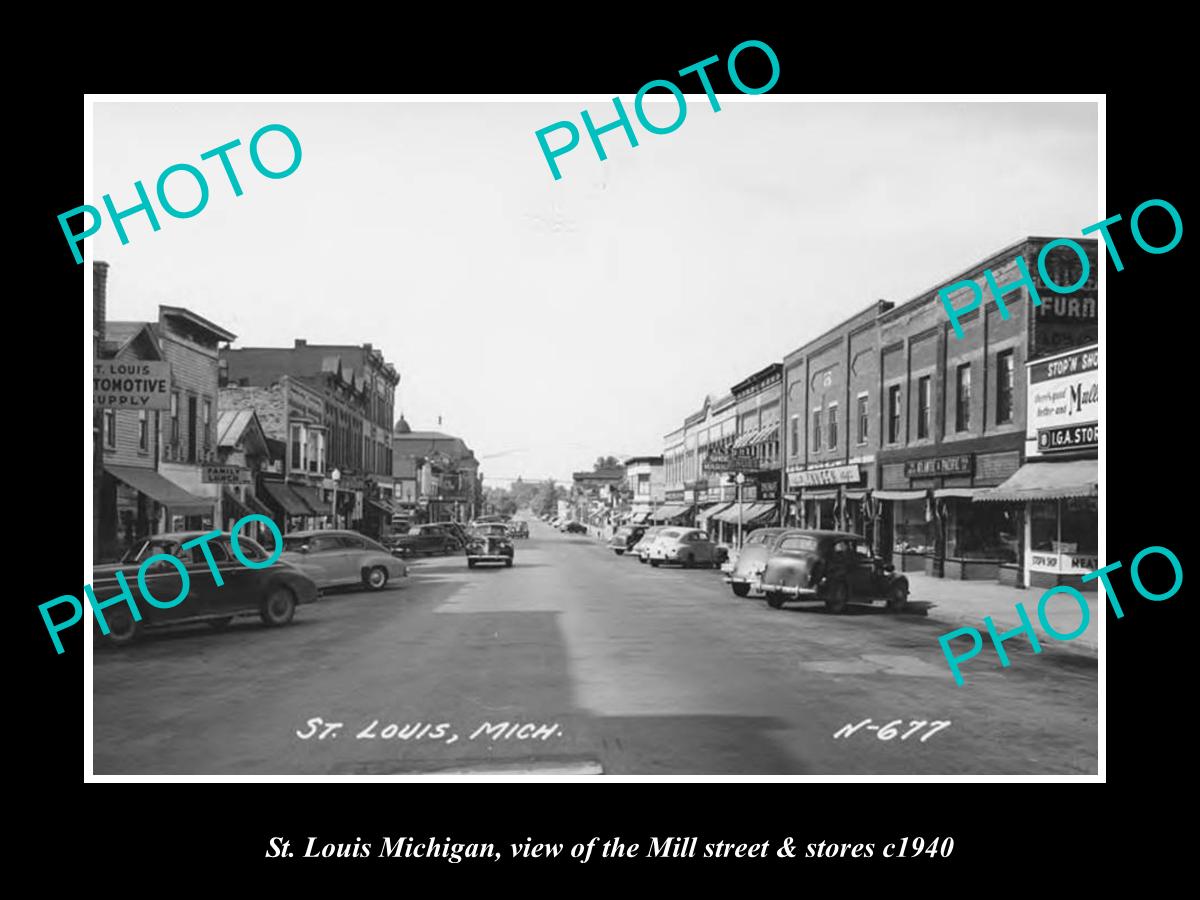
x=141 y=550
x=492 y=530
x=670 y=534
x=800 y=542
x=416 y=529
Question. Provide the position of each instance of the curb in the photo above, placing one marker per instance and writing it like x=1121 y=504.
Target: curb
x=1080 y=646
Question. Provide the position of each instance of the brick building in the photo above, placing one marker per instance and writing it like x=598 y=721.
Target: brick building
x=356 y=386
x=436 y=476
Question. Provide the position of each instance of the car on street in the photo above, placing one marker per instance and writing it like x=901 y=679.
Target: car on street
x=686 y=546
x=518 y=528
x=574 y=528
x=625 y=538
x=430 y=539
x=333 y=558
x=489 y=543
x=747 y=566
x=271 y=593
x=642 y=548
x=833 y=567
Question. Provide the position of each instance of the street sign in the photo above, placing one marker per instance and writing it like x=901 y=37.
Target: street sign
x=729 y=463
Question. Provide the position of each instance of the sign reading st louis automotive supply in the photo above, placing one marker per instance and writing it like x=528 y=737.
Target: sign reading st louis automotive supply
x=1063 y=403
x=131 y=385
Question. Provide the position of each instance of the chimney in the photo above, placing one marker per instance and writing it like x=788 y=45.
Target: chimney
x=99 y=299
x=301 y=342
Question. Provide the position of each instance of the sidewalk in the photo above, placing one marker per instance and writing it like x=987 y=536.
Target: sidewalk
x=965 y=603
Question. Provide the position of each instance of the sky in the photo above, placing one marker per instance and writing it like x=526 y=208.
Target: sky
x=548 y=322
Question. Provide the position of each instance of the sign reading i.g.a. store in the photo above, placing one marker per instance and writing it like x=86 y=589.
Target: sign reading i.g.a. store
x=1064 y=402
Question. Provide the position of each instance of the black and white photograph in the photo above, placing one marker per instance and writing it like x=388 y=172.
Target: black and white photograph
x=523 y=437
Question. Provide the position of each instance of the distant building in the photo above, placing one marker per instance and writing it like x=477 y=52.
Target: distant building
x=437 y=474
x=595 y=496
x=645 y=485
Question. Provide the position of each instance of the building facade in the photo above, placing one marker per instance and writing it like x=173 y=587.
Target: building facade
x=435 y=477
x=350 y=434
x=645 y=487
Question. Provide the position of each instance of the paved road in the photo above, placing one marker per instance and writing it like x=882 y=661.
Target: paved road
x=594 y=664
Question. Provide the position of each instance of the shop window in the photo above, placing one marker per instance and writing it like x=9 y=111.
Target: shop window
x=816 y=430
x=910 y=532
x=990 y=531
x=894 y=414
x=864 y=422
x=962 y=400
x=1004 y=387
x=143 y=437
x=923 y=400
x=833 y=427
x=1066 y=526
x=110 y=428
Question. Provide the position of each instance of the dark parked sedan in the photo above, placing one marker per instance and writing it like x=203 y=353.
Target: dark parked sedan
x=745 y=575
x=575 y=528
x=272 y=593
x=834 y=567
x=625 y=537
x=435 y=537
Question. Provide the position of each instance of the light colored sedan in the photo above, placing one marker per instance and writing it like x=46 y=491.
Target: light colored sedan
x=331 y=557
x=686 y=546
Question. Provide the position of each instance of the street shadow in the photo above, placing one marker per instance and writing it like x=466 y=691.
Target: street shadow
x=694 y=744
x=914 y=610
x=196 y=632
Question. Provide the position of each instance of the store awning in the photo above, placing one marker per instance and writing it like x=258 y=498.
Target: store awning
x=285 y=498
x=855 y=495
x=711 y=510
x=257 y=506
x=1048 y=481
x=670 y=511
x=160 y=490
x=312 y=498
x=234 y=508
x=383 y=506
x=900 y=495
x=826 y=494
x=764 y=435
x=638 y=518
x=750 y=512
x=965 y=493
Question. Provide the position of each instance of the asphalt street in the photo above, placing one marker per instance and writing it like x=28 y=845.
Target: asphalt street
x=576 y=661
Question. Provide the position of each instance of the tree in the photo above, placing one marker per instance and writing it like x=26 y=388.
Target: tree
x=606 y=462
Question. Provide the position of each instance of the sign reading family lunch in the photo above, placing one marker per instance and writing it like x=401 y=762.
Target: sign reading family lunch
x=215 y=474
x=1064 y=402
x=131 y=385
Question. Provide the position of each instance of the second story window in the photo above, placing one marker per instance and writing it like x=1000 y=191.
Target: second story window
x=297 y=448
x=110 y=428
x=795 y=445
x=962 y=401
x=923 y=405
x=143 y=429
x=175 y=417
x=816 y=431
x=864 y=421
x=832 y=441
x=1004 y=387
x=207 y=423
x=894 y=414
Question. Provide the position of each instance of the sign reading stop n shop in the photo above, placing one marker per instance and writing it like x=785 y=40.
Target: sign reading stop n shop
x=131 y=385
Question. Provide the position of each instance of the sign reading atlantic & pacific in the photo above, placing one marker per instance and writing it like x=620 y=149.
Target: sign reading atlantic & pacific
x=131 y=385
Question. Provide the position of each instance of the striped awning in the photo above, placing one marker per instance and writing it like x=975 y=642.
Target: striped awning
x=670 y=511
x=750 y=512
x=1047 y=481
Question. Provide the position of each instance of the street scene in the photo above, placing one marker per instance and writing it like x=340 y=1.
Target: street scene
x=643 y=671
x=440 y=518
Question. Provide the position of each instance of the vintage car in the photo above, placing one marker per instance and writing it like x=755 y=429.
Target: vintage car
x=625 y=538
x=686 y=546
x=748 y=565
x=642 y=548
x=518 y=528
x=434 y=537
x=332 y=557
x=834 y=567
x=489 y=542
x=271 y=593
x=574 y=528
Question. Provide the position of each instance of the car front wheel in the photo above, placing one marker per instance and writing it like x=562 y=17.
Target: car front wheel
x=740 y=590
x=654 y=563
x=837 y=597
x=775 y=599
x=122 y=629
x=376 y=578
x=279 y=608
x=618 y=552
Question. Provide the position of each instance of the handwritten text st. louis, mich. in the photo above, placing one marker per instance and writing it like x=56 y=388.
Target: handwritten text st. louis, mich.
x=318 y=728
